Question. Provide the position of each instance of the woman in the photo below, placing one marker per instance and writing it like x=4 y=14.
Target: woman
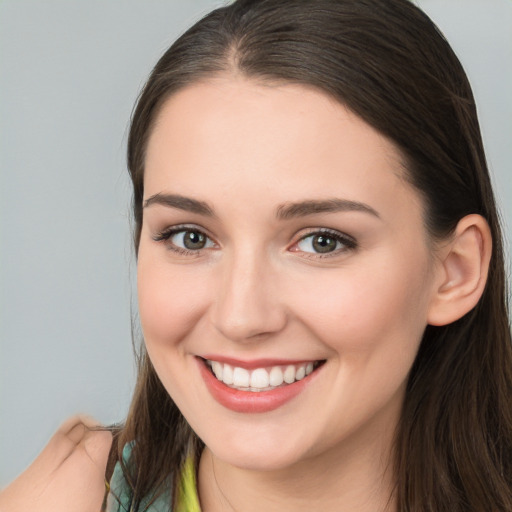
x=320 y=276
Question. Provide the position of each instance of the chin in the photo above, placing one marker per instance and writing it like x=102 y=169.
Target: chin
x=263 y=452
x=251 y=461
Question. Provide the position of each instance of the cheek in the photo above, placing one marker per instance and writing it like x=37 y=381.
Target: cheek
x=364 y=308
x=170 y=301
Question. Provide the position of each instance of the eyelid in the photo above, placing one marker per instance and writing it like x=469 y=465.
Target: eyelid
x=349 y=243
x=165 y=234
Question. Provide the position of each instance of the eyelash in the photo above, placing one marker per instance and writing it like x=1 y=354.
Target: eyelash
x=167 y=233
x=348 y=242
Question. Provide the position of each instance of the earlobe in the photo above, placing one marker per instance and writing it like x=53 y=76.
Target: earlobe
x=462 y=271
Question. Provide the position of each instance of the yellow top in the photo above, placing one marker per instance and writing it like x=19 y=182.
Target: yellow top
x=188 y=501
x=119 y=497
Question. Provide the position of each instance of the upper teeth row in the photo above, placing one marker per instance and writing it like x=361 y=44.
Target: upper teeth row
x=260 y=378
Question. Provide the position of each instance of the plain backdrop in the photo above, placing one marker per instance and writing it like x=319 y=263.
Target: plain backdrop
x=70 y=71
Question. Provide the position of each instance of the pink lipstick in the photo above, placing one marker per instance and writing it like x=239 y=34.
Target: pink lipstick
x=257 y=386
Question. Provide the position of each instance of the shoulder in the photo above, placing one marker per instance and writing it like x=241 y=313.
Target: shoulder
x=68 y=475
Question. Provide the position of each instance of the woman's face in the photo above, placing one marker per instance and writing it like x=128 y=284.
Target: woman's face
x=279 y=240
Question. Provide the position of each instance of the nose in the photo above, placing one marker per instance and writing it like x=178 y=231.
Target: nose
x=248 y=305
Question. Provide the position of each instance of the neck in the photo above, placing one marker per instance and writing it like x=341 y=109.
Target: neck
x=357 y=475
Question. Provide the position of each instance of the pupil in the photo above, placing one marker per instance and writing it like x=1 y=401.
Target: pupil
x=194 y=240
x=324 y=243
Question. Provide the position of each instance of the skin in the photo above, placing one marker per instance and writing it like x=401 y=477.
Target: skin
x=259 y=290
x=67 y=476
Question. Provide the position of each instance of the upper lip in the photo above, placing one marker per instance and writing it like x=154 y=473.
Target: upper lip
x=257 y=363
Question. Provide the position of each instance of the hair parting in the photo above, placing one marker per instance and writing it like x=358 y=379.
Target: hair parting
x=453 y=446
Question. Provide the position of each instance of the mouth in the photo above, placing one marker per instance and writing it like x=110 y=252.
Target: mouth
x=263 y=378
x=257 y=386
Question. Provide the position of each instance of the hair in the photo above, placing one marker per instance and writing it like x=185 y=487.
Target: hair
x=387 y=62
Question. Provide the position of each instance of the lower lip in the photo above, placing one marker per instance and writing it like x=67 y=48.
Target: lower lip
x=251 y=401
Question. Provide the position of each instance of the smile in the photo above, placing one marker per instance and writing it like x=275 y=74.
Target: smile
x=261 y=379
x=258 y=386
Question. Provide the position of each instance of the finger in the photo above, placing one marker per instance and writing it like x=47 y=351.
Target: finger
x=69 y=474
x=62 y=444
x=77 y=419
x=81 y=478
x=97 y=447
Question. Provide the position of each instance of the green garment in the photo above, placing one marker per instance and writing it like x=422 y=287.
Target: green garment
x=120 y=498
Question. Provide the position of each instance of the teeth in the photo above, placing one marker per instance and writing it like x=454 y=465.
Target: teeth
x=289 y=374
x=276 y=376
x=227 y=374
x=217 y=369
x=260 y=379
x=241 y=378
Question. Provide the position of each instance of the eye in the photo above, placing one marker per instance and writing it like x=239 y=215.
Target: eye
x=325 y=242
x=185 y=240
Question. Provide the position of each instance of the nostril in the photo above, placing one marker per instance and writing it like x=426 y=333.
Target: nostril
x=248 y=325
x=247 y=306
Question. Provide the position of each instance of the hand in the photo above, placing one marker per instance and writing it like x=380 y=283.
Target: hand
x=68 y=475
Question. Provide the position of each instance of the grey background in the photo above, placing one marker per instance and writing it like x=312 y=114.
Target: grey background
x=69 y=74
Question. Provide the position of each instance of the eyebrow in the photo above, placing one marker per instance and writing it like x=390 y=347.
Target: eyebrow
x=283 y=212
x=310 y=207
x=181 y=203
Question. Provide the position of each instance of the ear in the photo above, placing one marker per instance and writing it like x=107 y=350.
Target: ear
x=462 y=271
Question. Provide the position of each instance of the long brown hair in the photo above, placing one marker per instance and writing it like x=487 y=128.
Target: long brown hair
x=388 y=63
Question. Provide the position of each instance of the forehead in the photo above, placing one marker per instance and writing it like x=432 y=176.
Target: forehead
x=275 y=139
